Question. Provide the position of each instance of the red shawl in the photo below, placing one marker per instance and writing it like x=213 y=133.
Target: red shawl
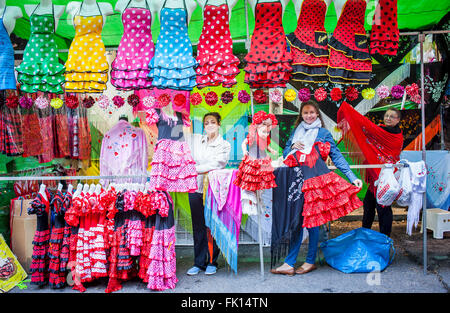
x=369 y=143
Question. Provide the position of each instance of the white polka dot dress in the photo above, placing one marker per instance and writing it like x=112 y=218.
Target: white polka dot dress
x=129 y=69
x=217 y=64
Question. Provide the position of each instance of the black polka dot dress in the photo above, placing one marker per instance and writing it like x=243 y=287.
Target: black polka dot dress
x=385 y=34
x=269 y=61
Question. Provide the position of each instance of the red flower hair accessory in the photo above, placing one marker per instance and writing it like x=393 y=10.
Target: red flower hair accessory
x=179 y=100
x=304 y=95
x=12 y=101
x=243 y=96
x=211 y=98
x=320 y=94
x=196 y=98
x=260 y=96
x=118 y=101
x=72 y=101
x=133 y=100
x=163 y=100
x=336 y=94
x=88 y=102
x=351 y=93
x=227 y=97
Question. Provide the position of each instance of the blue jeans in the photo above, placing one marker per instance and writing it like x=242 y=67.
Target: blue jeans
x=312 y=247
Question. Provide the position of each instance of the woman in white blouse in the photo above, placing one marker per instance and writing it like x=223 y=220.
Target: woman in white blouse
x=210 y=152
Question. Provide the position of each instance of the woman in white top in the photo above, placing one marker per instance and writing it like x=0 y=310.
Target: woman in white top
x=210 y=152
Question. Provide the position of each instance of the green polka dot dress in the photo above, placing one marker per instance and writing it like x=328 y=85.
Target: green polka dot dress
x=40 y=69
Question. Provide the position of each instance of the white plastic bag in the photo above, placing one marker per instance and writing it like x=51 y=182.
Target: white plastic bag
x=404 y=196
x=387 y=186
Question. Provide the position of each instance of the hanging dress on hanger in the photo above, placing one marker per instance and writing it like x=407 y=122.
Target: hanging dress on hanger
x=216 y=62
x=40 y=69
x=7 y=76
x=385 y=34
x=349 y=61
x=86 y=66
x=129 y=70
x=173 y=65
x=269 y=61
x=309 y=43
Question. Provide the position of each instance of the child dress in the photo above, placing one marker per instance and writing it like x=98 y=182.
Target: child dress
x=216 y=62
x=7 y=76
x=349 y=61
x=327 y=196
x=309 y=44
x=173 y=65
x=86 y=66
x=129 y=70
x=40 y=69
x=269 y=61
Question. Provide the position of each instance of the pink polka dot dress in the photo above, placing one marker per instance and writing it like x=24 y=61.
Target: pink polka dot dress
x=217 y=64
x=136 y=49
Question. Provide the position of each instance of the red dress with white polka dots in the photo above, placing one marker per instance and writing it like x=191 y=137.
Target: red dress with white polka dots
x=349 y=61
x=309 y=43
x=216 y=62
x=269 y=61
x=385 y=33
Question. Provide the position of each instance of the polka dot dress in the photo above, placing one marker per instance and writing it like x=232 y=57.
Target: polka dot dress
x=385 y=33
x=173 y=65
x=86 y=66
x=7 y=76
x=269 y=61
x=309 y=43
x=129 y=70
x=40 y=69
x=217 y=64
x=349 y=61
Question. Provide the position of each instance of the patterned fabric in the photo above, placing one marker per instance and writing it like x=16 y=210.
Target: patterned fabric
x=309 y=43
x=7 y=76
x=40 y=69
x=217 y=64
x=86 y=66
x=269 y=61
x=129 y=70
x=11 y=138
x=173 y=65
x=349 y=61
x=384 y=37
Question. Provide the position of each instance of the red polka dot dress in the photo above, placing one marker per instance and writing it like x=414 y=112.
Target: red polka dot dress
x=309 y=43
x=269 y=61
x=385 y=33
x=349 y=61
x=217 y=64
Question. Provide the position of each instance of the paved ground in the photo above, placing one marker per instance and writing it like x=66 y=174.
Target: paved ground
x=404 y=275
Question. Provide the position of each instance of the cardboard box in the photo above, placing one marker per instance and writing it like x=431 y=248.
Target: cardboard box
x=23 y=230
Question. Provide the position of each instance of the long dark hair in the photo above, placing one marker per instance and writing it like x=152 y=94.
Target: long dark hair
x=215 y=114
x=315 y=106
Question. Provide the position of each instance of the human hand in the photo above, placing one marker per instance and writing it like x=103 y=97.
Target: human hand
x=298 y=145
x=358 y=183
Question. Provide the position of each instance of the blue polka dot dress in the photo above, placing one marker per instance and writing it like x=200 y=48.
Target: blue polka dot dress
x=173 y=65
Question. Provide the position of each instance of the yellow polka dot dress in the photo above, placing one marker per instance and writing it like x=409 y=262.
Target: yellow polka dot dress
x=86 y=66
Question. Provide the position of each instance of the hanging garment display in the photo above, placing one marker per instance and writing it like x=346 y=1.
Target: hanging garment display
x=349 y=60
x=129 y=70
x=269 y=61
x=11 y=137
x=173 y=65
x=216 y=62
x=86 y=66
x=32 y=137
x=7 y=76
x=40 y=69
x=385 y=35
x=309 y=43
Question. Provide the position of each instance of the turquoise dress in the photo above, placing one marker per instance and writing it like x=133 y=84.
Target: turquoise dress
x=7 y=77
x=173 y=65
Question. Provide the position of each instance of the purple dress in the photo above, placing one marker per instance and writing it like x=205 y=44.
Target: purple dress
x=136 y=49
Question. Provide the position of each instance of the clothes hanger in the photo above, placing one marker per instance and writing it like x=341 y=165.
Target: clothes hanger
x=91 y=188
x=98 y=189
x=70 y=188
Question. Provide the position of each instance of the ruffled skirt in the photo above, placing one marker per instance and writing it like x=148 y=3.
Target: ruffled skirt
x=40 y=260
x=255 y=174
x=217 y=69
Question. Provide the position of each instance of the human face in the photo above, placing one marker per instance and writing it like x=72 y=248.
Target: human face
x=309 y=114
x=211 y=125
x=264 y=128
x=391 y=118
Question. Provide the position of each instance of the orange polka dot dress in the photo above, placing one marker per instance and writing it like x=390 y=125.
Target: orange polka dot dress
x=86 y=66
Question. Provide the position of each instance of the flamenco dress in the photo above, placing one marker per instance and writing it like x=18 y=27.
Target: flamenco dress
x=97 y=250
x=216 y=63
x=39 y=267
x=269 y=61
x=173 y=168
x=309 y=44
x=65 y=246
x=385 y=34
x=173 y=65
x=40 y=69
x=327 y=196
x=129 y=70
x=7 y=76
x=350 y=61
x=57 y=275
x=86 y=66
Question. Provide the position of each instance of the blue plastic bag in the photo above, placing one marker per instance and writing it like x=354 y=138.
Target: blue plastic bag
x=361 y=250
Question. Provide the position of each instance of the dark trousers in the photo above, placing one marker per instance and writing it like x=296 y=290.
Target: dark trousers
x=203 y=256
x=385 y=216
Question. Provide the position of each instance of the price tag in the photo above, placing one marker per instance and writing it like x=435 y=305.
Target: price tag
x=302 y=158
